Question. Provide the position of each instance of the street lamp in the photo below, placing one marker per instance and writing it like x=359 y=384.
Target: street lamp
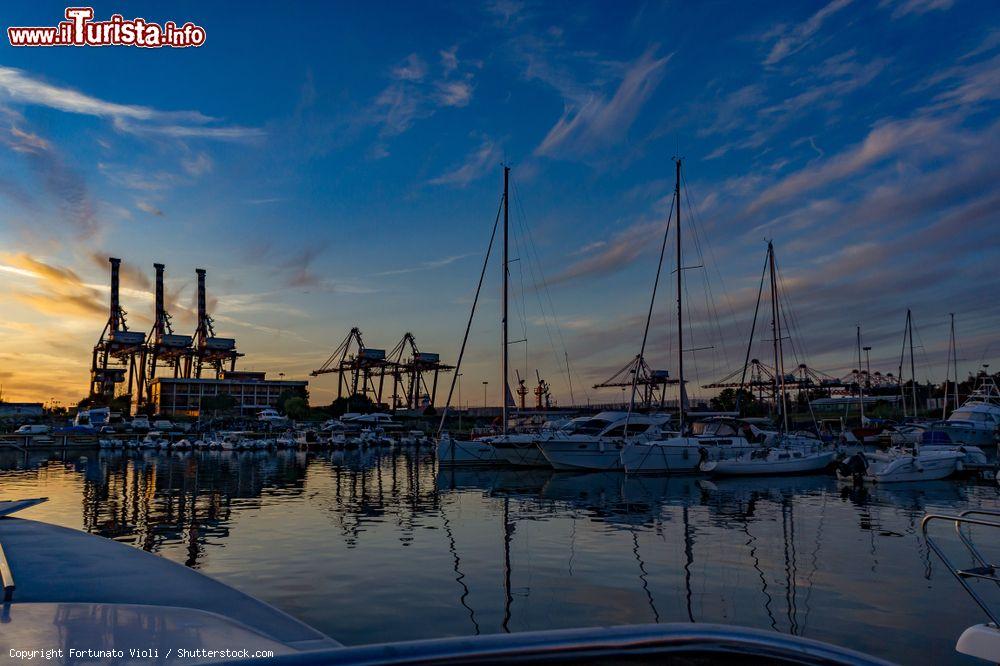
x=459 y=378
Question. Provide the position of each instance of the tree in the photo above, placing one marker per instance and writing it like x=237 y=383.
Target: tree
x=222 y=402
x=289 y=394
x=296 y=408
x=357 y=403
x=727 y=400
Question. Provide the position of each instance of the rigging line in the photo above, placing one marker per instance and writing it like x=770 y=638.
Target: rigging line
x=695 y=216
x=472 y=313
x=545 y=287
x=520 y=218
x=710 y=310
x=520 y=304
x=753 y=328
x=649 y=315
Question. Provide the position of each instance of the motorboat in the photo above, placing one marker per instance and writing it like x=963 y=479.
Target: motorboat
x=452 y=451
x=935 y=440
x=769 y=461
x=597 y=443
x=901 y=465
x=271 y=416
x=183 y=445
x=977 y=421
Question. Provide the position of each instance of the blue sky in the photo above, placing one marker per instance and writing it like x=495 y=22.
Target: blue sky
x=339 y=165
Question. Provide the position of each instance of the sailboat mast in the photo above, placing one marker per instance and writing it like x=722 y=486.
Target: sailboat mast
x=947 y=370
x=779 y=363
x=913 y=372
x=680 y=327
x=861 y=386
x=506 y=246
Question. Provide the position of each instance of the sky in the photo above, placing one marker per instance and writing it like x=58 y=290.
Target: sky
x=336 y=165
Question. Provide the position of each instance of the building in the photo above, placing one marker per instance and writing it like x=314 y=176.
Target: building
x=180 y=396
x=20 y=409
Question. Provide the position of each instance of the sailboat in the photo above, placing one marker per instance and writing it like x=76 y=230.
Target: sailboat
x=451 y=451
x=680 y=453
x=786 y=453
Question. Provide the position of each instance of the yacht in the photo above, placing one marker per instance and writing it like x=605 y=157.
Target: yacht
x=479 y=452
x=977 y=421
x=598 y=442
x=271 y=416
x=521 y=450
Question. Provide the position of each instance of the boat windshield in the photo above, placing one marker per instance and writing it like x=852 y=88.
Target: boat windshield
x=964 y=415
x=714 y=429
x=633 y=429
x=592 y=427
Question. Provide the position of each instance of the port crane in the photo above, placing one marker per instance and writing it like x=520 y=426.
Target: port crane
x=209 y=350
x=650 y=384
x=116 y=364
x=357 y=366
x=409 y=368
x=164 y=349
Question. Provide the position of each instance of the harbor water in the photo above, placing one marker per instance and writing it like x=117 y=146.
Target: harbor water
x=381 y=545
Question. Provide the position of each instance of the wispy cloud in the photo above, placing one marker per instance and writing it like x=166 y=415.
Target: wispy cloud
x=57 y=291
x=901 y=8
x=427 y=265
x=476 y=165
x=599 y=121
x=147 y=207
x=414 y=94
x=17 y=86
x=798 y=37
x=612 y=255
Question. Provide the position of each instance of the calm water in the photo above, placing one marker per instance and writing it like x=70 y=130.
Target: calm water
x=370 y=546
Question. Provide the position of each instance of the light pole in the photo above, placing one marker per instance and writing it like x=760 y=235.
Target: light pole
x=485 y=384
x=459 y=378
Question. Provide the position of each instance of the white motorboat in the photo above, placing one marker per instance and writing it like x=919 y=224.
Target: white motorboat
x=902 y=465
x=521 y=450
x=597 y=443
x=977 y=421
x=182 y=445
x=452 y=451
x=773 y=461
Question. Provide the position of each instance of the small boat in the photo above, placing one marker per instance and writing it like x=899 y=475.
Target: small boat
x=182 y=445
x=901 y=465
x=773 y=461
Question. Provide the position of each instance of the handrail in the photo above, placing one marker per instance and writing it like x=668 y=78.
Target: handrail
x=6 y=577
x=985 y=571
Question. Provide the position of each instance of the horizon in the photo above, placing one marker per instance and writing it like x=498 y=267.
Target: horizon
x=342 y=168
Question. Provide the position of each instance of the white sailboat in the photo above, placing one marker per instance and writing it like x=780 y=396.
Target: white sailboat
x=785 y=452
x=451 y=451
x=679 y=453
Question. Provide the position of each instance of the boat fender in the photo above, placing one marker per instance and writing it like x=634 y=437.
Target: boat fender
x=702 y=453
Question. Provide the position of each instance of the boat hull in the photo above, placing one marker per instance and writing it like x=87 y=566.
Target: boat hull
x=813 y=462
x=570 y=455
x=522 y=455
x=925 y=467
x=661 y=458
x=467 y=452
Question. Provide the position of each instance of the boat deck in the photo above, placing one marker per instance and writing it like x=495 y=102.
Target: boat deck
x=67 y=578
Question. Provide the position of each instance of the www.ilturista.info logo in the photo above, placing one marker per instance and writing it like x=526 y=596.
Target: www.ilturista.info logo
x=79 y=29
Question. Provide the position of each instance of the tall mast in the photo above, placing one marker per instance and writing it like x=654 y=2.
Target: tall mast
x=913 y=372
x=947 y=370
x=680 y=327
x=861 y=387
x=779 y=360
x=506 y=207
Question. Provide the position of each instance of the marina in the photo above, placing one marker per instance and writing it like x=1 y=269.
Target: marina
x=500 y=332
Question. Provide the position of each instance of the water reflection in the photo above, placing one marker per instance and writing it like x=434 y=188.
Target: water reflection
x=367 y=545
